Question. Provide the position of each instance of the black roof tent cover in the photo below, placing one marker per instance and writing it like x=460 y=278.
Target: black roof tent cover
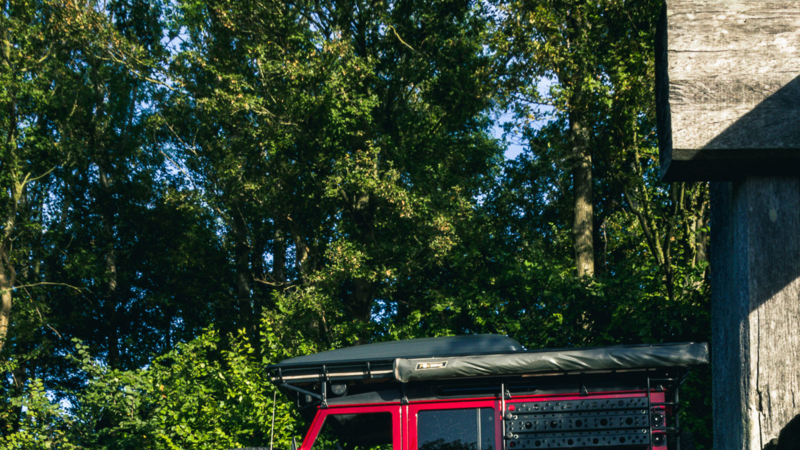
x=488 y=355
x=474 y=344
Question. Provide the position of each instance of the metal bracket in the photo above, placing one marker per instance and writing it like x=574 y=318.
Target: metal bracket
x=671 y=385
x=323 y=386
x=503 y=414
x=319 y=397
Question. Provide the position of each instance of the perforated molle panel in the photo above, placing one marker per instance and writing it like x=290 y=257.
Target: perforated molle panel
x=577 y=423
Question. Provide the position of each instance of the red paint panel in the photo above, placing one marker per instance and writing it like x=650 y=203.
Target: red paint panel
x=415 y=408
x=404 y=417
x=322 y=414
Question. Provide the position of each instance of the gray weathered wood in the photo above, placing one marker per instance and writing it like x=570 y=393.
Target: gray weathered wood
x=728 y=80
x=755 y=276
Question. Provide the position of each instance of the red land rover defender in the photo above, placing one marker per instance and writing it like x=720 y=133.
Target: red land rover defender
x=485 y=392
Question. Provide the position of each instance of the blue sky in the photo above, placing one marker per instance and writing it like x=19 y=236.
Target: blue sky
x=543 y=111
x=514 y=143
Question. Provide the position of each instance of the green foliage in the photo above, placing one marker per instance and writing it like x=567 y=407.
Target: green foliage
x=196 y=396
x=301 y=176
x=42 y=424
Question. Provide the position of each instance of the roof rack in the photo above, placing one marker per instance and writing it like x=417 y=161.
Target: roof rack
x=346 y=371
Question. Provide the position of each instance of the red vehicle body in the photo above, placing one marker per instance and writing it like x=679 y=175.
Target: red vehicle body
x=487 y=393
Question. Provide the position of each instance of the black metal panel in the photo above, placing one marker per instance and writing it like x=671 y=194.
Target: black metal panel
x=530 y=423
x=619 y=422
x=585 y=439
x=580 y=405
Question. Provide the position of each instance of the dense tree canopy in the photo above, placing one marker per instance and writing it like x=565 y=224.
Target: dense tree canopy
x=191 y=190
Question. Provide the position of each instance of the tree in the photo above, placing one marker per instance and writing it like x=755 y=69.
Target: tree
x=596 y=60
x=559 y=40
x=27 y=155
x=599 y=59
x=313 y=174
x=346 y=137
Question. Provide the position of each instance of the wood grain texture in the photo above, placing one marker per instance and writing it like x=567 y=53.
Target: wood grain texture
x=755 y=272
x=728 y=77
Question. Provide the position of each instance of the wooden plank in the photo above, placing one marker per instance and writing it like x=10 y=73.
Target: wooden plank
x=755 y=287
x=730 y=164
x=728 y=78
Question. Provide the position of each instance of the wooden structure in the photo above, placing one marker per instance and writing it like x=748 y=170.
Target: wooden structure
x=728 y=98
x=728 y=88
x=755 y=290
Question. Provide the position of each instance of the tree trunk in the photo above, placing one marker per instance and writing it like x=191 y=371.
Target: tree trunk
x=20 y=379
x=361 y=299
x=111 y=297
x=279 y=256
x=242 y=264
x=6 y=284
x=583 y=225
x=301 y=258
x=7 y=273
x=363 y=288
x=261 y=292
x=699 y=237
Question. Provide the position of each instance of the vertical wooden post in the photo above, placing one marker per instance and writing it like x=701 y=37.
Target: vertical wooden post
x=755 y=271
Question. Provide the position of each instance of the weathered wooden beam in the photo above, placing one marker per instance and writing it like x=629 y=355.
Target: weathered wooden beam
x=755 y=295
x=728 y=89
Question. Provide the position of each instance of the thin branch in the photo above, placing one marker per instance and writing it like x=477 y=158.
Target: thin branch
x=275 y=284
x=46 y=283
x=401 y=39
x=28 y=179
x=180 y=167
x=632 y=203
x=41 y=317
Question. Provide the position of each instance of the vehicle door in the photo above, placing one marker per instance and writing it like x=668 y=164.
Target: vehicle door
x=355 y=428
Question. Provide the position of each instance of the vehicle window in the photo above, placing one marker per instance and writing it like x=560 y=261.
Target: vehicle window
x=456 y=429
x=370 y=431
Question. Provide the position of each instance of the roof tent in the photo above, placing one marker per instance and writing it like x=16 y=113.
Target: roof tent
x=477 y=356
